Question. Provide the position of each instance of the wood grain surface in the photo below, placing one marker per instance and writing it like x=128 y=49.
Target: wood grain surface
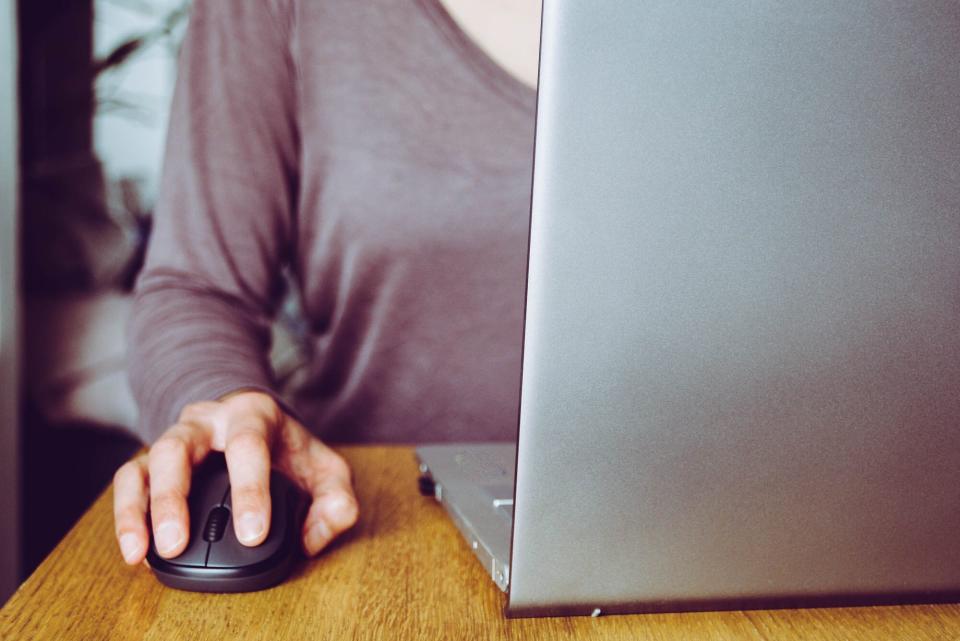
x=402 y=573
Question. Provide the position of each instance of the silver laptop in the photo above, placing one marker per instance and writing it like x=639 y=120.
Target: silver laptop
x=741 y=363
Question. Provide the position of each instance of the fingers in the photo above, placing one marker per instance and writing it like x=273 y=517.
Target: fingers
x=170 y=465
x=130 y=509
x=324 y=474
x=252 y=423
x=248 y=463
x=245 y=427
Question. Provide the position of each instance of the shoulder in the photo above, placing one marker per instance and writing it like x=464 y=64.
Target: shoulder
x=327 y=14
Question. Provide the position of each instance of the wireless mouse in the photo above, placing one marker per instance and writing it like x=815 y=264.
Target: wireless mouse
x=214 y=560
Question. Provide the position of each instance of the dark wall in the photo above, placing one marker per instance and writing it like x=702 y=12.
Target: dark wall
x=63 y=189
x=64 y=467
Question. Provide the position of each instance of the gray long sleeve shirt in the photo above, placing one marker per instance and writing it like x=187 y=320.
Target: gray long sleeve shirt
x=377 y=152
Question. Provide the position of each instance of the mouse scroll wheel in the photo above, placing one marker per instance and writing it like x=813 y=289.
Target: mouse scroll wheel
x=216 y=524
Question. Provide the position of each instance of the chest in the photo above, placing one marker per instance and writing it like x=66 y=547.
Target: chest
x=411 y=140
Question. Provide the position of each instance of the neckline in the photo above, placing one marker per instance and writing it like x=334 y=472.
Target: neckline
x=508 y=85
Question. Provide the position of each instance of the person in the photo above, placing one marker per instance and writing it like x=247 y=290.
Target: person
x=381 y=151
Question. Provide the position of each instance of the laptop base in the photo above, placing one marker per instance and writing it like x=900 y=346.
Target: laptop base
x=474 y=483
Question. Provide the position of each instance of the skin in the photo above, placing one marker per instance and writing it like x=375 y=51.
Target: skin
x=508 y=31
x=250 y=427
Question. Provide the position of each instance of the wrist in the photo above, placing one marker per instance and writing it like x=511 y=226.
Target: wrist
x=256 y=401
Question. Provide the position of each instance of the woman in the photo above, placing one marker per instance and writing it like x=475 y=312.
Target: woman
x=380 y=150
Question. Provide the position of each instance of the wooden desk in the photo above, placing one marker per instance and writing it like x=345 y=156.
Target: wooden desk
x=402 y=573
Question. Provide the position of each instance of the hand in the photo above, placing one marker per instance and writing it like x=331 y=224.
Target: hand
x=252 y=430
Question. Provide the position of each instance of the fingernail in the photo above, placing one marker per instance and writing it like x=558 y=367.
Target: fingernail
x=169 y=537
x=250 y=526
x=129 y=547
x=318 y=536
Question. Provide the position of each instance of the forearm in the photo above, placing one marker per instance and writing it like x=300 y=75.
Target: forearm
x=200 y=326
x=189 y=344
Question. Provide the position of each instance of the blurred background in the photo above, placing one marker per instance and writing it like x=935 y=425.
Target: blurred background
x=84 y=92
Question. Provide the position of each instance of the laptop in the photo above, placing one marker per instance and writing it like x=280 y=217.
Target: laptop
x=741 y=356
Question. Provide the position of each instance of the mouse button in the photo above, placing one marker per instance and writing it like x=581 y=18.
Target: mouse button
x=194 y=555
x=213 y=469
x=205 y=495
x=202 y=499
x=281 y=491
x=228 y=552
x=208 y=488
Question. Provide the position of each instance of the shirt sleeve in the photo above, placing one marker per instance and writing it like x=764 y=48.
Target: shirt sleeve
x=200 y=326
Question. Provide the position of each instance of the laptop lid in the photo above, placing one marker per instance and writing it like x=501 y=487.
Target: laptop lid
x=741 y=372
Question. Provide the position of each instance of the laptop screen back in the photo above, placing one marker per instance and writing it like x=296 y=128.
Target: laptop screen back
x=742 y=350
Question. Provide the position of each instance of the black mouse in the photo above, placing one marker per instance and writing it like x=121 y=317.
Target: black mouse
x=214 y=560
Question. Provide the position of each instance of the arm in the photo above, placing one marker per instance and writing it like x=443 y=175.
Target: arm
x=203 y=303
x=200 y=326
